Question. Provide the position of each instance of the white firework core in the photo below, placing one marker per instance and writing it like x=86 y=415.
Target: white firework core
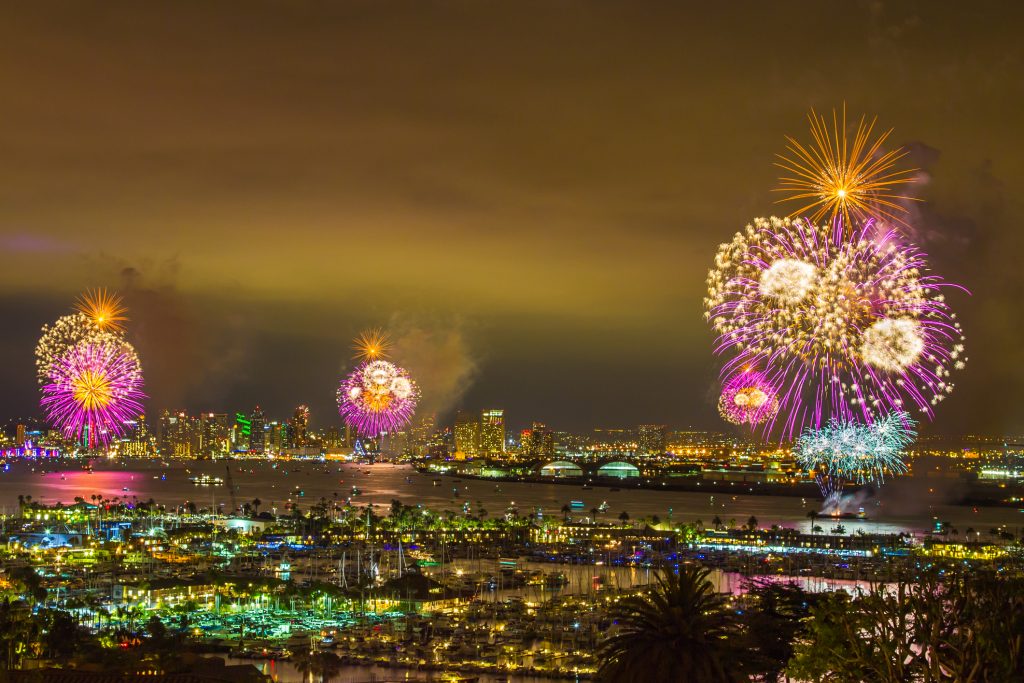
x=892 y=345
x=401 y=387
x=752 y=397
x=379 y=372
x=788 y=280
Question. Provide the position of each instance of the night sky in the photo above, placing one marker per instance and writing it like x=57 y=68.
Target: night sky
x=528 y=195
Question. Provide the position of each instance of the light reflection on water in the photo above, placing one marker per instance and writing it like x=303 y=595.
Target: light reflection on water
x=307 y=482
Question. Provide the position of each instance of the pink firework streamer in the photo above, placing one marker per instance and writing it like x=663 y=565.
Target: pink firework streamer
x=94 y=387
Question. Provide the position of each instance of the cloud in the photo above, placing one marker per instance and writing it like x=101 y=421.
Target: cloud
x=181 y=353
x=437 y=354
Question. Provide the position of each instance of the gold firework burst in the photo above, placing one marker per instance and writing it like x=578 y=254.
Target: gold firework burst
x=372 y=344
x=835 y=176
x=105 y=310
x=92 y=390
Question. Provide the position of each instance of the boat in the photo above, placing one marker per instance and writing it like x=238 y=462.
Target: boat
x=206 y=480
x=603 y=507
x=576 y=504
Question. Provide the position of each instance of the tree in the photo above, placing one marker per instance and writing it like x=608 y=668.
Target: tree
x=680 y=631
x=565 y=512
x=960 y=625
x=813 y=516
x=717 y=522
x=774 y=616
x=752 y=523
x=624 y=517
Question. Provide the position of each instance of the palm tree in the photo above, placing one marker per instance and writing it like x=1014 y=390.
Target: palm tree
x=624 y=517
x=680 y=631
x=565 y=512
x=813 y=516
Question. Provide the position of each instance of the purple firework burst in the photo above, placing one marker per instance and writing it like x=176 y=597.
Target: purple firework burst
x=94 y=387
x=844 y=324
x=376 y=397
x=748 y=398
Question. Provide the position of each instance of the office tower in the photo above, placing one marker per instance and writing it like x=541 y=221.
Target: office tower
x=467 y=434
x=257 y=438
x=214 y=435
x=492 y=432
x=651 y=440
x=136 y=443
x=241 y=434
x=538 y=441
x=299 y=427
x=19 y=436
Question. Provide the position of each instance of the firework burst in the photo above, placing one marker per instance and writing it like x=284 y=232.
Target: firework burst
x=842 y=325
x=839 y=177
x=378 y=396
x=372 y=345
x=94 y=387
x=848 y=452
x=747 y=398
x=64 y=333
x=103 y=309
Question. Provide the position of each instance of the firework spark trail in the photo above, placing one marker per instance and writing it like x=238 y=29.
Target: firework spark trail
x=834 y=178
x=845 y=451
x=104 y=310
x=376 y=397
x=842 y=325
x=93 y=389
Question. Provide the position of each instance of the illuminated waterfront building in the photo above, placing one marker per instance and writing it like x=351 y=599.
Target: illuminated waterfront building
x=538 y=441
x=179 y=435
x=137 y=443
x=299 y=427
x=257 y=442
x=467 y=434
x=214 y=435
x=492 y=432
x=241 y=435
x=651 y=440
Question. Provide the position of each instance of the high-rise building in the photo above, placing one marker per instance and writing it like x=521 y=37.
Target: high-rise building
x=422 y=434
x=257 y=439
x=651 y=440
x=136 y=443
x=467 y=434
x=215 y=435
x=300 y=427
x=492 y=432
x=19 y=435
x=538 y=441
x=180 y=435
x=241 y=434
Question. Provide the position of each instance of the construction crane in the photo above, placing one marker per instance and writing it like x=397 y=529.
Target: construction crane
x=231 y=489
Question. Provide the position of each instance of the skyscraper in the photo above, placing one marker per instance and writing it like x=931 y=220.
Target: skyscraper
x=539 y=441
x=257 y=443
x=214 y=435
x=651 y=440
x=300 y=427
x=492 y=432
x=467 y=434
